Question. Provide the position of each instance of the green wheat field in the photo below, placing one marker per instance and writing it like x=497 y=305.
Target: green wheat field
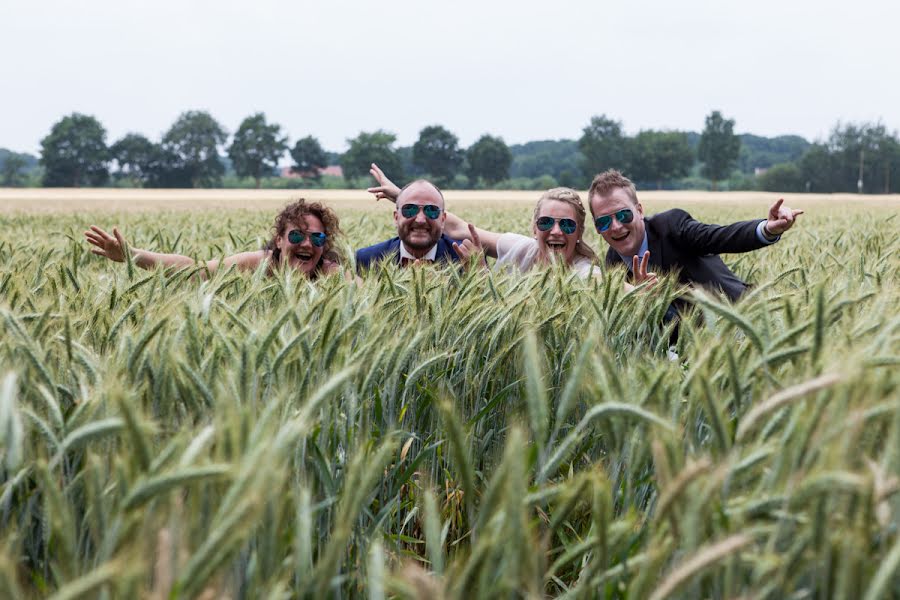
x=440 y=434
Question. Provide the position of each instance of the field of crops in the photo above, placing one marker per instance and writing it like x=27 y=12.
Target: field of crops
x=436 y=434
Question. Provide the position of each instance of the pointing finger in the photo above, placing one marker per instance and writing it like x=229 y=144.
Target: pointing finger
x=634 y=265
x=645 y=261
x=474 y=233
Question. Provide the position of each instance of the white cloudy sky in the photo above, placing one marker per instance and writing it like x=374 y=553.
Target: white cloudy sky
x=524 y=70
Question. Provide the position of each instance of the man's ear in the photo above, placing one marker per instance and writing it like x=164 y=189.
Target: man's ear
x=640 y=209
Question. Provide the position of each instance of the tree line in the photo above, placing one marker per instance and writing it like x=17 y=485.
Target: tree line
x=195 y=152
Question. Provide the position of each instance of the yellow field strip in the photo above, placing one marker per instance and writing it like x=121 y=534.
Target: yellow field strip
x=56 y=200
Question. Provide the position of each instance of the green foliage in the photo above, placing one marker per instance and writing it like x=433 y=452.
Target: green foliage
x=602 y=145
x=74 y=153
x=443 y=433
x=308 y=157
x=437 y=153
x=659 y=156
x=256 y=148
x=718 y=148
x=489 y=159
x=12 y=171
x=560 y=159
x=190 y=151
x=134 y=154
x=759 y=152
x=367 y=148
x=785 y=177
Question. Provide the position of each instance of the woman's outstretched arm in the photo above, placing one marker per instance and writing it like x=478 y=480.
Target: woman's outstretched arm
x=113 y=247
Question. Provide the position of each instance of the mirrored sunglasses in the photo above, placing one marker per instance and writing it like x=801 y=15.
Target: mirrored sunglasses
x=411 y=210
x=603 y=222
x=567 y=226
x=295 y=236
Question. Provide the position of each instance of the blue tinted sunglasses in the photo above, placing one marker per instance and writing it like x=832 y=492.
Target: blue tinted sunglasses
x=567 y=226
x=623 y=216
x=411 y=210
x=295 y=236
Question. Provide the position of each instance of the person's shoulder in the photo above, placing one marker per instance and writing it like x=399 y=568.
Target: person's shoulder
x=668 y=219
x=380 y=247
x=445 y=248
x=673 y=214
x=517 y=248
x=378 y=250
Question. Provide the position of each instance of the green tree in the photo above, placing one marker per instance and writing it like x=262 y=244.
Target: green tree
x=12 y=170
x=191 y=148
x=437 y=152
x=134 y=155
x=818 y=169
x=372 y=147
x=256 y=148
x=659 y=156
x=783 y=177
x=602 y=145
x=489 y=159
x=719 y=148
x=308 y=157
x=75 y=153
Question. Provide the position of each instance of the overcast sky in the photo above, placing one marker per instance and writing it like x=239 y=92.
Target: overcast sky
x=524 y=70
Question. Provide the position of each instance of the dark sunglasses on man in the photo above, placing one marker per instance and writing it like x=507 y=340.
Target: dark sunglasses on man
x=431 y=211
x=295 y=236
x=567 y=226
x=603 y=222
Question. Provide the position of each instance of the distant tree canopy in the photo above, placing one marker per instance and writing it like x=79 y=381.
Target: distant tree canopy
x=759 y=152
x=489 y=159
x=12 y=170
x=75 y=153
x=856 y=157
x=560 y=159
x=190 y=150
x=861 y=157
x=372 y=147
x=437 y=153
x=308 y=157
x=256 y=148
x=719 y=147
x=602 y=144
x=658 y=156
x=134 y=154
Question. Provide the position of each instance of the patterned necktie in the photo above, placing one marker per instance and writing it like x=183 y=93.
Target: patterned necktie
x=404 y=261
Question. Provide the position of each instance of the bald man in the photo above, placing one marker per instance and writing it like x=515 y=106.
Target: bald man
x=419 y=216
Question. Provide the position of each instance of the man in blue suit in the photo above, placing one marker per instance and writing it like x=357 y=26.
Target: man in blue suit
x=419 y=216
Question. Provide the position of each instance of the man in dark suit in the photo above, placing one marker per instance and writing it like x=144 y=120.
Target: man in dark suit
x=419 y=216
x=675 y=241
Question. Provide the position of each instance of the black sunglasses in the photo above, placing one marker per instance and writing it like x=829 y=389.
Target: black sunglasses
x=295 y=236
x=411 y=210
x=603 y=222
x=568 y=226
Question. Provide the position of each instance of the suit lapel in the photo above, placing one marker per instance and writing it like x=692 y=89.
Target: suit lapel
x=654 y=244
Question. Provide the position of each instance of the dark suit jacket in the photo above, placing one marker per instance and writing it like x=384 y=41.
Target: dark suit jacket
x=677 y=242
x=367 y=257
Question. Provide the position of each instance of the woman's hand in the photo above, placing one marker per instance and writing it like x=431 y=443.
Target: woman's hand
x=385 y=188
x=107 y=246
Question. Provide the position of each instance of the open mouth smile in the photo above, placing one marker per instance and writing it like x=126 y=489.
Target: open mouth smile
x=303 y=255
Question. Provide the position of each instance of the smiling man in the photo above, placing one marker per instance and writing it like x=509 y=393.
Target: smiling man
x=675 y=240
x=419 y=217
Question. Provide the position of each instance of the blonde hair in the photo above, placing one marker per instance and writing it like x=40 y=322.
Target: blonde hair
x=609 y=180
x=570 y=197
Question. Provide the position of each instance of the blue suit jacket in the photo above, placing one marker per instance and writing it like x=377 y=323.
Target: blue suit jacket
x=367 y=257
